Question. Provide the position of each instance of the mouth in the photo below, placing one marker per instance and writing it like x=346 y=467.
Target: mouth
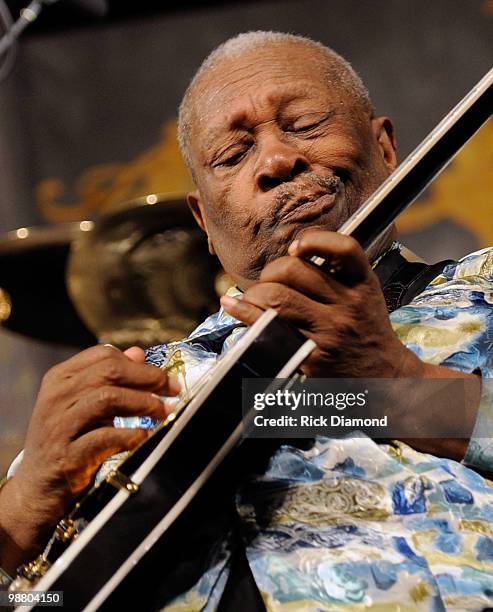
x=309 y=208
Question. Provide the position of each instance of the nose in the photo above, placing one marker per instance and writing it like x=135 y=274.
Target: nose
x=278 y=162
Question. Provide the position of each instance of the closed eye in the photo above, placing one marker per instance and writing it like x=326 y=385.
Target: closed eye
x=308 y=123
x=303 y=128
x=230 y=157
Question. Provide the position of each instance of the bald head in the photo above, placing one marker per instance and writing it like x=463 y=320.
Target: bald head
x=320 y=60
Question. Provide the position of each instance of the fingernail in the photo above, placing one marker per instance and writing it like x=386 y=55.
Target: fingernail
x=111 y=346
x=158 y=397
x=228 y=302
x=293 y=247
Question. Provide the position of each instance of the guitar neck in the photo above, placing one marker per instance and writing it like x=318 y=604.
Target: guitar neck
x=405 y=184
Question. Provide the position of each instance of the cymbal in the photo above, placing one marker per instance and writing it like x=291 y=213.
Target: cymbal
x=33 y=295
x=143 y=275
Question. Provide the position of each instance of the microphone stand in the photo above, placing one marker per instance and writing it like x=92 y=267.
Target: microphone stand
x=26 y=17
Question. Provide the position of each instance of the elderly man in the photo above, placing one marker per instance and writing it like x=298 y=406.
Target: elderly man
x=282 y=141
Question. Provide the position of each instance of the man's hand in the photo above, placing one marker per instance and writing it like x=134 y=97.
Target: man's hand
x=71 y=433
x=341 y=307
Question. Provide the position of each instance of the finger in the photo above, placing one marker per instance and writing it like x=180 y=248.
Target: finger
x=63 y=381
x=304 y=277
x=122 y=372
x=241 y=310
x=85 y=359
x=344 y=256
x=135 y=353
x=289 y=304
x=86 y=454
x=104 y=404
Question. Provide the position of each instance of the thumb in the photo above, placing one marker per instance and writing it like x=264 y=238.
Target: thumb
x=135 y=354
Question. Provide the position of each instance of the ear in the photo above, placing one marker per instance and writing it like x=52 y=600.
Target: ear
x=383 y=130
x=194 y=201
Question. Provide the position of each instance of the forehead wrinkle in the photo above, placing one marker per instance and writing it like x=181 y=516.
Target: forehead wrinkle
x=252 y=69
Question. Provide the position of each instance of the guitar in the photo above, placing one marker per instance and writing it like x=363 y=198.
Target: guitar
x=160 y=482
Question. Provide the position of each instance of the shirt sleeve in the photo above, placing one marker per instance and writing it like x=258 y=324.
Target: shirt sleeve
x=451 y=324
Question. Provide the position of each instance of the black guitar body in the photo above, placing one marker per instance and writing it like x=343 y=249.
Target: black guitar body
x=179 y=560
x=149 y=583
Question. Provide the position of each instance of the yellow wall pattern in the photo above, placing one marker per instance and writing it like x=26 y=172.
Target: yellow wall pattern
x=462 y=193
x=105 y=187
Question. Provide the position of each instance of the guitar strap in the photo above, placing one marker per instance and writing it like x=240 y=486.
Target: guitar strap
x=401 y=281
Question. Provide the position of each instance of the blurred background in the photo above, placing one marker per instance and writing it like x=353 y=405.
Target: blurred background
x=88 y=101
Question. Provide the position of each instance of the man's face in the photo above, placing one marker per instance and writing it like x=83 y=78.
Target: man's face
x=276 y=149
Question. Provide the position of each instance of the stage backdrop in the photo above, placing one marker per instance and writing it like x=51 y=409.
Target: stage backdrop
x=87 y=121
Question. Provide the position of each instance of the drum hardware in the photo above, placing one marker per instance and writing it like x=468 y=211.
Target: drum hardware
x=140 y=275
x=143 y=274
x=33 y=295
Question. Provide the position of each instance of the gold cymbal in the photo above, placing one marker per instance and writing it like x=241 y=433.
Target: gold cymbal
x=33 y=294
x=143 y=275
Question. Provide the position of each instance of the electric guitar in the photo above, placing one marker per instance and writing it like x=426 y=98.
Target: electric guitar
x=146 y=501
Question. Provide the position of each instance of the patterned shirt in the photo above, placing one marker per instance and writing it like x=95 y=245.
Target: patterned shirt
x=349 y=524
x=353 y=524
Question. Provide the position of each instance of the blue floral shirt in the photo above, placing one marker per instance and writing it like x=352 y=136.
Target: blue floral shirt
x=353 y=524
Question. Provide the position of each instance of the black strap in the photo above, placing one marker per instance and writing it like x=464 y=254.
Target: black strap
x=403 y=280
x=241 y=593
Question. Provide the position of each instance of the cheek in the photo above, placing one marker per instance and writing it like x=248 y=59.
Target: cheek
x=241 y=204
x=358 y=157
x=228 y=210
x=370 y=158
x=215 y=193
x=339 y=153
